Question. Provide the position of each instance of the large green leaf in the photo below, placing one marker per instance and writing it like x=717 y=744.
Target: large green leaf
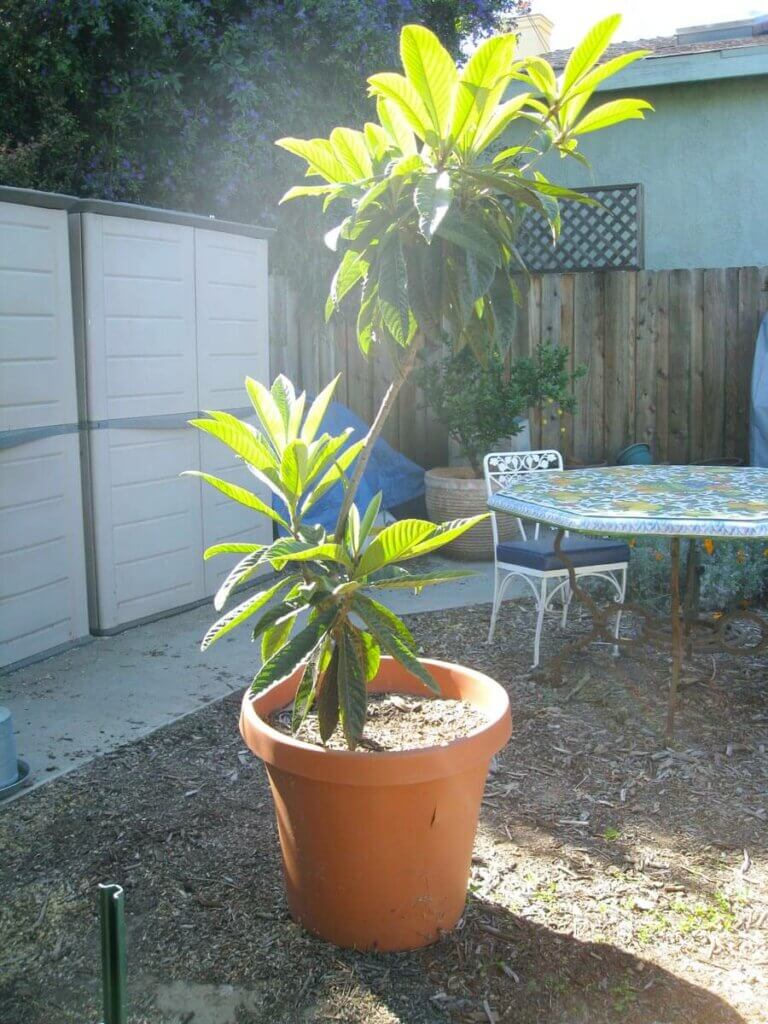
x=289 y=550
x=504 y=307
x=243 y=611
x=334 y=474
x=611 y=113
x=299 y=191
x=580 y=93
x=351 y=150
x=240 y=437
x=320 y=156
x=588 y=52
x=403 y=95
x=317 y=410
x=378 y=619
x=238 y=494
x=294 y=653
x=394 y=542
x=498 y=122
x=483 y=77
x=444 y=534
x=327 y=700
x=369 y=517
x=276 y=636
x=415 y=581
x=284 y=394
x=467 y=233
x=432 y=72
x=267 y=411
x=396 y=125
x=293 y=468
x=231 y=548
x=393 y=290
x=244 y=569
x=432 y=198
x=352 y=689
x=351 y=269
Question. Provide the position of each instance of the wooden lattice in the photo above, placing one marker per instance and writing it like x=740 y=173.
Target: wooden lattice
x=605 y=237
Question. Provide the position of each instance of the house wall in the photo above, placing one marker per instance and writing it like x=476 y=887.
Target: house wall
x=702 y=157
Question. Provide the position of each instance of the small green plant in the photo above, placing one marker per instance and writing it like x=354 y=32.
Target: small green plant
x=482 y=402
x=329 y=579
x=611 y=834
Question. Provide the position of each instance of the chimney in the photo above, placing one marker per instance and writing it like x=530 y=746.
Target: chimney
x=534 y=32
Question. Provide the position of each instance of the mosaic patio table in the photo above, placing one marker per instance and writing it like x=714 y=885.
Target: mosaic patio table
x=677 y=502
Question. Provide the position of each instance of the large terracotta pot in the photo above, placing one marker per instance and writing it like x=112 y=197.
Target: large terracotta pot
x=454 y=492
x=377 y=847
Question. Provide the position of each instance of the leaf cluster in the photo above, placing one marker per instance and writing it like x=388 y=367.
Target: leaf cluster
x=319 y=615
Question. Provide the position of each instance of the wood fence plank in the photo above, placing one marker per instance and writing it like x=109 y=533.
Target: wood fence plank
x=534 y=340
x=713 y=365
x=565 y=443
x=620 y=319
x=550 y=319
x=589 y=351
x=732 y=425
x=680 y=296
x=748 y=324
x=696 y=395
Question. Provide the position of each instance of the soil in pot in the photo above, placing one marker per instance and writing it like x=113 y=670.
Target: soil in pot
x=397 y=721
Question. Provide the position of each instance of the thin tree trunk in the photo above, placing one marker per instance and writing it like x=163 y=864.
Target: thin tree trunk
x=387 y=402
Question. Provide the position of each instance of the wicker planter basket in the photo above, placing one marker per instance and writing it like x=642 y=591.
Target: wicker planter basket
x=455 y=493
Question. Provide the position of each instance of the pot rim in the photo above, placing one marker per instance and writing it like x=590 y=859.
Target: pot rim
x=394 y=767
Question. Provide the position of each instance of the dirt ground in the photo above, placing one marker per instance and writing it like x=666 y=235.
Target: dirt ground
x=614 y=880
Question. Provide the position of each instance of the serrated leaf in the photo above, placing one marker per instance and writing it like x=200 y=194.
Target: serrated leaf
x=580 y=92
x=415 y=581
x=444 y=534
x=240 y=437
x=394 y=542
x=393 y=291
x=611 y=113
x=299 y=191
x=233 y=548
x=351 y=150
x=317 y=411
x=244 y=569
x=320 y=157
x=352 y=689
x=351 y=269
x=389 y=636
x=327 y=699
x=400 y=92
x=238 y=494
x=370 y=654
x=287 y=659
x=588 y=52
x=284 y=395
x=482 y=79
x=432 y=72
x=334 y=474
x=289 y=550
x=369 y=517
x=469 y=235
x=243 y=611
x=276 y=636
x=432 y=198
x=293 y=468
x=266 y=409
x=396 y=125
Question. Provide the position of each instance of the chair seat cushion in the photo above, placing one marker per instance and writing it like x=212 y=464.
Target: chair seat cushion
x=582 y=551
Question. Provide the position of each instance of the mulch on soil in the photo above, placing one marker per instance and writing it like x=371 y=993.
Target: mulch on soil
x=613 y=879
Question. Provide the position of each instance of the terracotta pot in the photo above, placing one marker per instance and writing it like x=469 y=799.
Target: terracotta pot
x=454 y=492
x=377 y=846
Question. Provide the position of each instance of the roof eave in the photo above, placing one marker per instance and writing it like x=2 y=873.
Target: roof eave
x=702 y=66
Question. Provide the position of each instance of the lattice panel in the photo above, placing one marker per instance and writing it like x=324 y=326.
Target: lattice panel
x=607 y=237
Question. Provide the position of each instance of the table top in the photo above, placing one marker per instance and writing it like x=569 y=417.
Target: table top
x=664 y=501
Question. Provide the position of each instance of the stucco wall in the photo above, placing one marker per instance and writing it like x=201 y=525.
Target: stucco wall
x=702 y=157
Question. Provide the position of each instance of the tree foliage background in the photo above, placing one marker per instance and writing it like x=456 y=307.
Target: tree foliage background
x=177 y=103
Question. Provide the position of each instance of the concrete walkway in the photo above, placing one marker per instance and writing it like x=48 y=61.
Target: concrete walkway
x=94 y=698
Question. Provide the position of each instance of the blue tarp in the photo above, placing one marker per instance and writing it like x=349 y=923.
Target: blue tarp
x=758 y=421
x=399 y=479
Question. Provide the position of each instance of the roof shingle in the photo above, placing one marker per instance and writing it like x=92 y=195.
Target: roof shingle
x=661 y=46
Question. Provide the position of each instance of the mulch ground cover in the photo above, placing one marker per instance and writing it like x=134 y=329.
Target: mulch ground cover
x=613 y=879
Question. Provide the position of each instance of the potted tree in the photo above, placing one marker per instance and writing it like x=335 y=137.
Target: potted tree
x=377 y=844
x=482 y=405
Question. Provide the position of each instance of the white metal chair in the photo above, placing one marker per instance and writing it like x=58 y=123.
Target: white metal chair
x=534 y=560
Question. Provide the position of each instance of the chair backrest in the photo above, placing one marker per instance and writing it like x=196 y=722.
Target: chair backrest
x=503 y=468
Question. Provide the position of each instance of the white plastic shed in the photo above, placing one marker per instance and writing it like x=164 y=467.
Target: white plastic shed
x=174 y=317
x=43 y=602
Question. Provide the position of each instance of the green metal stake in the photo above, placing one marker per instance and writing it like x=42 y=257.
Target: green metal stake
x=113 y=963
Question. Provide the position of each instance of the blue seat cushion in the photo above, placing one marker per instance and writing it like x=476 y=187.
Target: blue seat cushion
x=582 y=551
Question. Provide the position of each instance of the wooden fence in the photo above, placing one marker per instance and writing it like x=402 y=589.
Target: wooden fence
x=668 y=357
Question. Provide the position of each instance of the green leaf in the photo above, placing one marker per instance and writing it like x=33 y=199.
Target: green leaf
x=351 y=150
x=293 y=468
x=267 y=411
x=377 y=140
x=238 y=494
x=389 y=636
x=504 y=308
x=306 y=691
x=498 y=122
x=320 y=156
x=432 y=198
x=432 y=72
x=244 y=569
x=415 y=581
x=394 y=541
x=369 y=517
x=352 y=690
x=465 y=232
x=276 y=636
x=327 y=699
x=334 y=474
x=240 y=437
x=242 y=612
x=352 y=533
x=317 y=410
x=396 y=125
x=611 y=113
x=401 y=92
x=370 y=654
x=289 y=550
x=286 y=610
x=231 y=549
x=294 y=653
x=588 y=52
x=351 y=269
x=393 y=291
x=444 y=534
x=580 y=93
x=542 y=76
x=284 y=394
x=482 y=80
x=298 y=191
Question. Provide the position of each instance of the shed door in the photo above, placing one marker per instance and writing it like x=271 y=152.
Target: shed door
x=142 y=387
x=233 y=343
x=43 y=600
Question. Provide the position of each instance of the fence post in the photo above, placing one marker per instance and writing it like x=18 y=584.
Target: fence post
x=113 y=962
